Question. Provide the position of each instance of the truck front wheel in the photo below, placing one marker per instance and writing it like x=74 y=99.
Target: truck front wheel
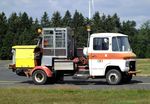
x=113 y=77
x=39 y=77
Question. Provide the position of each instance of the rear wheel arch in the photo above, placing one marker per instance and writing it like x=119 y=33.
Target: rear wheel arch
x=48 y=72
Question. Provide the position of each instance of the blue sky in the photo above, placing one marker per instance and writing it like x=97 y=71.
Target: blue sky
x=137 y=10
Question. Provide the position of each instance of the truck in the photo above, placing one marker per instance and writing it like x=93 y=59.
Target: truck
x=108 y=55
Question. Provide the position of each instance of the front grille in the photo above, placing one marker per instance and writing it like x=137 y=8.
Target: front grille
x=132 y=65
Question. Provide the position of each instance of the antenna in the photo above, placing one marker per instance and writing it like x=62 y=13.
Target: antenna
x=91 y=8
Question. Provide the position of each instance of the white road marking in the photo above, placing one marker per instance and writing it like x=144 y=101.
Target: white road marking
x=9 y=81
x=144 y=83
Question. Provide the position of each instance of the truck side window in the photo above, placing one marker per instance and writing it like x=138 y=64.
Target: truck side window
x=100 y=44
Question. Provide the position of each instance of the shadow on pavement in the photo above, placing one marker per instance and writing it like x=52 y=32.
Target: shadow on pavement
x=83 y=82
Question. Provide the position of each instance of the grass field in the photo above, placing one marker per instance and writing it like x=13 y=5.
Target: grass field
x=144 y=66
x=67 y=96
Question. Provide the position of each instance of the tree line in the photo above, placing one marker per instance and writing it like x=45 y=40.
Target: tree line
x=21 y=29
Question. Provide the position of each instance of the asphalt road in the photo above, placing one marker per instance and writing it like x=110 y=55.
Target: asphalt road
x=10 y=79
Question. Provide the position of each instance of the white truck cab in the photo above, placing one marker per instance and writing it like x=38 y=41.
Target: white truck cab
x=110 y=54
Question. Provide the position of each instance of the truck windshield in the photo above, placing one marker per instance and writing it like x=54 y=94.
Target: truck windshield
x=120 y=43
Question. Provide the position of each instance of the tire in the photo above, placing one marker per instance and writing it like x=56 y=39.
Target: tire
x=39 y=77
x=113 y=77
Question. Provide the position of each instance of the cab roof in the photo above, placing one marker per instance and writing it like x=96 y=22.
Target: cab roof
x=107 y=34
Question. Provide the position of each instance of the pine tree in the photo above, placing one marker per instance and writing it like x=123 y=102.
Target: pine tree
x=97 y=25
x=3 y=31
x=67 y=20
x=56 y=20
x=143 y=41
x=45 y=22
x=129 y=27
x=78 y=20
x=78 y=24
x=3 y=23
x=3 y=26
x=14 y=23
x=25 y=21
x=116 y=23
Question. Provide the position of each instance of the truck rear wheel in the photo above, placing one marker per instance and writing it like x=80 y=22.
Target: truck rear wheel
x=39 y=77
x=113 y=77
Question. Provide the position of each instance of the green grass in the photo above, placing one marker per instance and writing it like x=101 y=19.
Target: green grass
x=67 y=96
x=144 y=66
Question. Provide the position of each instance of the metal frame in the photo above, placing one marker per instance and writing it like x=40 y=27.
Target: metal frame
x=54 y=40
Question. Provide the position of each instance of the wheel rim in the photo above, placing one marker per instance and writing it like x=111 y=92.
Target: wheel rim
x=39 y=77
x=113 y=77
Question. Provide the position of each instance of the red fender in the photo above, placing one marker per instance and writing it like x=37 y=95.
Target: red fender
x=48 y=72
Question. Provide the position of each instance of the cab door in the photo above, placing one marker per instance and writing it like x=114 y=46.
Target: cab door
x=98 y=56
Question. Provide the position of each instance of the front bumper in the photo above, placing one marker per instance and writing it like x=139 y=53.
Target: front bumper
x=134 y=72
